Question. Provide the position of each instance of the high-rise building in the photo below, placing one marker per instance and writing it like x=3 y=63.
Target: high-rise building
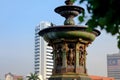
x=113 y=66
x=43 y=62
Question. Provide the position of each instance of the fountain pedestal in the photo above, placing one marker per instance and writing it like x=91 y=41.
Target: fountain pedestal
x=69 y=43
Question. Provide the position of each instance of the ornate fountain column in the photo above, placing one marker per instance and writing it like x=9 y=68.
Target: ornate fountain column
x=69 y=44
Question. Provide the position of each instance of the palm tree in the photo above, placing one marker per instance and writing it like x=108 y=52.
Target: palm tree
x=33 y=77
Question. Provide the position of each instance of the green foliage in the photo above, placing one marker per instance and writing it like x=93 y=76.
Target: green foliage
x=73 y=0
x=105 y=14
x=118 y=41
x=81 y=18
x=20 y=79
x=33 y=77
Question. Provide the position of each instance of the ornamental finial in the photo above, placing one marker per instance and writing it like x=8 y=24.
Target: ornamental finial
x=69 y=2
x=69 y=11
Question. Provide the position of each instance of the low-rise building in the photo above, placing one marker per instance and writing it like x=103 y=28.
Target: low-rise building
x=11 y=76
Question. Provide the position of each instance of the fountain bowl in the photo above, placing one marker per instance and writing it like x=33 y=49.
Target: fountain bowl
x=70 y=32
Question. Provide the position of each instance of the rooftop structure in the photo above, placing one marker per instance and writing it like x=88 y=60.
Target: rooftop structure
x=11 y=76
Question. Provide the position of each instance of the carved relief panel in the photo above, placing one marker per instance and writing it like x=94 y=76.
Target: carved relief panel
x=69 y=57
x=71 y=54
x=58 y=55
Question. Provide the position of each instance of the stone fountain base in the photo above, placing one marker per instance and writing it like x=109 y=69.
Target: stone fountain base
x=69 y=76
x=69 y=44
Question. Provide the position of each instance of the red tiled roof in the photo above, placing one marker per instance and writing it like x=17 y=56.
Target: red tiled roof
x=17 y=77
x=93 y=77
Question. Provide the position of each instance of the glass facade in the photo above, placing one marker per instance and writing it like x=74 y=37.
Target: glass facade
x=113 y=66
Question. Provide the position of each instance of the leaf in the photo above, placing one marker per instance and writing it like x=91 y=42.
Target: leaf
x=81 y=1
x=102 y=21
x=88 y=8
x=73 y=1
x=81 y=18
x=115 y=30
x=118 y=37
x=92 y=23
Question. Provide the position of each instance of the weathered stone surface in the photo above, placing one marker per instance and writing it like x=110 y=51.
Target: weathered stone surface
x=69 y=43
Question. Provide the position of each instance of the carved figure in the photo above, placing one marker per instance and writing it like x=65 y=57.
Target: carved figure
x=58 y=58
x=70 y=57
x=81 y=56
x=82 y=60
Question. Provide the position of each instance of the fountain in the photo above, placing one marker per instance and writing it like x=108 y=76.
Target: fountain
x=69 y=43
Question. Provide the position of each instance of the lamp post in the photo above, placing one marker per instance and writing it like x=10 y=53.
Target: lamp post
x=69 y=43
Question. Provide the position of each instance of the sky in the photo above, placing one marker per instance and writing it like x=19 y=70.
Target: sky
x=18 y=19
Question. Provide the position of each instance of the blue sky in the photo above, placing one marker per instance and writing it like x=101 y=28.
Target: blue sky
x=18 y=19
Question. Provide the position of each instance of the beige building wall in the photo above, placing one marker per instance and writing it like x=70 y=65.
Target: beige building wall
x=10 y=76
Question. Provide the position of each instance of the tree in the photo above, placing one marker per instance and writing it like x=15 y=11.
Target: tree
x=104 y=14
x=33 y=77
